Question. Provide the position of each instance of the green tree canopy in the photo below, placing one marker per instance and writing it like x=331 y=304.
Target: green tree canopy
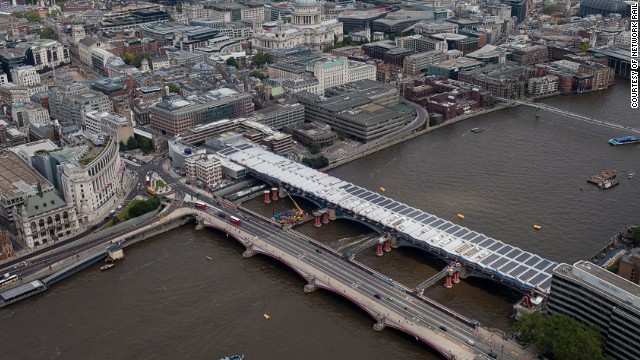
x=316 y=163
x=315 y=148
x=233 y=62
x=635 y=233
x=261 y=58
x=560 y=337
x=144 y=207
x=145 y=144
x=132 y=143
x=173 y=88
x=47 y=33
x=258 y=75
x=123 y=147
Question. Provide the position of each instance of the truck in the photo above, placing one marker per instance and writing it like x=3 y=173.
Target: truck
x=235 y=220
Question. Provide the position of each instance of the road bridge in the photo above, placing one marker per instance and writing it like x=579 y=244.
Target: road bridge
x=573 y=115
x=479 y=254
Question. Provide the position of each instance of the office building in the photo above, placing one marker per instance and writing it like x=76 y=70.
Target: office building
x=593 y=295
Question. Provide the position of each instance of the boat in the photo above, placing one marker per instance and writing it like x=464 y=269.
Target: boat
x=631 y=175
x=208 y=257
x=233 y=357
x=106 y=267
x=537 y=227
x=461 y=216
x=625 y=140
x=477 y=130
x=608 y=184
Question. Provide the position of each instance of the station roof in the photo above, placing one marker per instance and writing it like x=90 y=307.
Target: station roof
x=493 y=256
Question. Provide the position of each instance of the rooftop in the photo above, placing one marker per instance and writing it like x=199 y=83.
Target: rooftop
x=17 y=176
x=604 y=280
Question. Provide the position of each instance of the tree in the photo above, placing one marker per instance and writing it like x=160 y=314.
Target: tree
x=315 y=148
x=347 y=40
x=316 y=163
x=47 y=33
x=145 y=144
x=128 y=58
x=258 y=75
x=261 y=58
x=60 y=5
x=173 y=88
x=132 y=143
x=123 y=147
x=584 y=47
x=233 y=62
x=33 y=16
x=560 y=337
x=341 y=133
x=116 y=220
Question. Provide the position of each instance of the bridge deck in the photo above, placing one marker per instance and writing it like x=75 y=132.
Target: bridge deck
x=493 y=257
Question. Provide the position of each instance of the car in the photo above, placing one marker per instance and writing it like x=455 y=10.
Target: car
x=443 y=328
x=221 y=215
x=377 y=296
x=470 y=342
x=492 y=355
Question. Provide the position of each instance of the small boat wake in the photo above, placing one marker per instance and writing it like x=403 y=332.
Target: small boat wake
x=354 y=241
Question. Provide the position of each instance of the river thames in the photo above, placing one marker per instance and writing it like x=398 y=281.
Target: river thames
x=166 y=301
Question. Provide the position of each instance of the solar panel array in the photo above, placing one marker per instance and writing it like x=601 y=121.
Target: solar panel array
x=489 y=255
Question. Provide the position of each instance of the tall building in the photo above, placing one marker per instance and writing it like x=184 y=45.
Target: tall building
x=174 y=114
x=363 y=109
x=25 y=75
x=202 y=168
x=70 y=103
x=30 y=206
x=91 y=176
x=593 y=295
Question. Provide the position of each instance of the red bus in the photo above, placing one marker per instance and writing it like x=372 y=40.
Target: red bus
x=201 y=205
x=234 y=220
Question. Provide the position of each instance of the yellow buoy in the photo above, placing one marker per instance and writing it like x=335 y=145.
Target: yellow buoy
x=382 y=189
x=461 y=216
x=537 y=227
x=266 y=316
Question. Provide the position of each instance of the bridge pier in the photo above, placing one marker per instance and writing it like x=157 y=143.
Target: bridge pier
x=317 y=214
x=249 y=252
x=394 y=242
x=387 y=246
x=282 y=192
x=274 y=194
x=379 y=326
x=267 y=199
x=379 y=250
x=456 y=274
x=325 y=218
x=311 y=286
x=332 y=214
x=447 y=281
x=199 y=223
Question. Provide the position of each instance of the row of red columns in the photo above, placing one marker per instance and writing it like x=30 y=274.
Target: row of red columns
x=453 y=277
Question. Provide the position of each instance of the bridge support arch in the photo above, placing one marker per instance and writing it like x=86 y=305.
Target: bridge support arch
x=379 y=325
x=311 y=286
x=249 y=252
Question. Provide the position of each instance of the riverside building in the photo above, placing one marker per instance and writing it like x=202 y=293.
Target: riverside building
x=593 y=295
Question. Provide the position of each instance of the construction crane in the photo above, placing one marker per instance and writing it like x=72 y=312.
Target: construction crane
x=300 y=211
